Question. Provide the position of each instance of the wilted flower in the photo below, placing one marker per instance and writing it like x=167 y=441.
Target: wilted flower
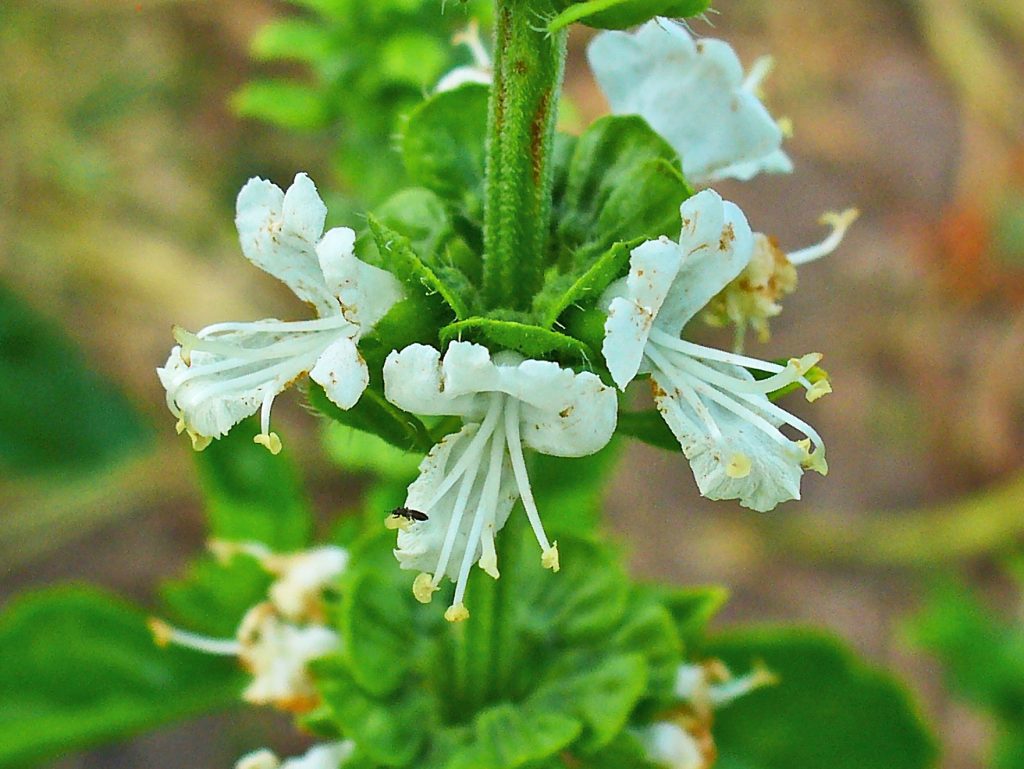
x=302 y=576
x=330 y=756
x=228 y=371
x=753 y=296
x=504 y=403
x=694 y=94
x=721 y=415
x=276 y=653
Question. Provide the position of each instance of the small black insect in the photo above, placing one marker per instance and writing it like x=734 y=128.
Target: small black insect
x=412 y=515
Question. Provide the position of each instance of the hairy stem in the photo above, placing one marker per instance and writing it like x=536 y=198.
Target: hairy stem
x=528 y=68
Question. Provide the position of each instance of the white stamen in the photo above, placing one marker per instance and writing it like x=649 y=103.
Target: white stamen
x=759 y=70
x=484 y=511
x=515 y=450
x=165 y=634
x=453 y=527
x=472 y=454
x=470 y=37
x=682 y=382
x=840 y=223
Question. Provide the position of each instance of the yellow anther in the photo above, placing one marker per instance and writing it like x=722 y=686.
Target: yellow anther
x=423 y=588
x=489 y=563
x=457 y=613
x=185 y=339
x=271 y=441
x=738 y=466
x=549 y=558
x=163 y=633
x=785 y=125
x=199 y=442
x=839 y=220
x=818 y=389
x=179 y=426
x=393 y=522
x=812 y=460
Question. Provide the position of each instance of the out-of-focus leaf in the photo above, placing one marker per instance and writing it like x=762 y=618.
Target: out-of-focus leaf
x=213 y=597
x=56 y=414
x=692 y=608
x=569 y=491
x=252 y=495
x=507 y=737
x=829 y=710
x=294 y=39
x=357 y=451
x=375 y=414
x=282 y=102
x=443 y=146
x=80 y=668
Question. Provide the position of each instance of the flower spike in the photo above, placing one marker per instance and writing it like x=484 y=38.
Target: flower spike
x=470 y=481
x=228 y=371
x=726 y=425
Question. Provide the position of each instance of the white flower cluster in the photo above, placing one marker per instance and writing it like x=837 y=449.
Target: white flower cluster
x=277 y=639
x=716 y=403
x=695 y=94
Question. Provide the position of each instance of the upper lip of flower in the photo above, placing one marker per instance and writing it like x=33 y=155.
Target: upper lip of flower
x=708 y=397
x=505 y=402
x=227 y=371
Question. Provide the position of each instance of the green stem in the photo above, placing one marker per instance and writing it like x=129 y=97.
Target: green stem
x=528 y=66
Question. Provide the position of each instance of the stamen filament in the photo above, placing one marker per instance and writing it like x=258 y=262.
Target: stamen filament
x=515 y=450
x=759 y=70
x=453 y=527
x=165 y=634
x=681 y=381
x=471 y=455
x=840 y=223
x=484 y=511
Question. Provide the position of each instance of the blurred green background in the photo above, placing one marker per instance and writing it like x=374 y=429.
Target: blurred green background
x=127 y=128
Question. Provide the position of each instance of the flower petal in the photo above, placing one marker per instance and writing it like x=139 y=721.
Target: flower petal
x=366 y=292
x=692 y=93
x=774 y=470
x=718 y=244
x=417 y=381
x=342 y=372
x=278 y=233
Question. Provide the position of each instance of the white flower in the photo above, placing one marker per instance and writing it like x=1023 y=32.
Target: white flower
x=710 y=685
x=297 y=593
x=480 y=71
x=329 y=756
x=668 y=744
x=725 y=424
x=695 y=95
x=753 y=296
x=276 y=653
x=228 y=371
x=469 y=482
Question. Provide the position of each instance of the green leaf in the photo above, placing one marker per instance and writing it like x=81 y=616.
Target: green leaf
x=443 y=147
x=585 y=283
x=620 y=14
x=251 y=495
x=569 y=490
x=647 y=426
x=80 y=668
x=983 y=656
x=292 y=39
x=648 y=629
x=358 y=451
x=601 y=695
x=508 y=736
x=376 y=415
x=692 y=608
x=420 y=215
x=532 y=341
x=829 y=711
x=398 y=256
x=283 y=103
x=392 y=731
x=622 y=183
x=411 y=58
x=56 y=414
x=376 y=626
